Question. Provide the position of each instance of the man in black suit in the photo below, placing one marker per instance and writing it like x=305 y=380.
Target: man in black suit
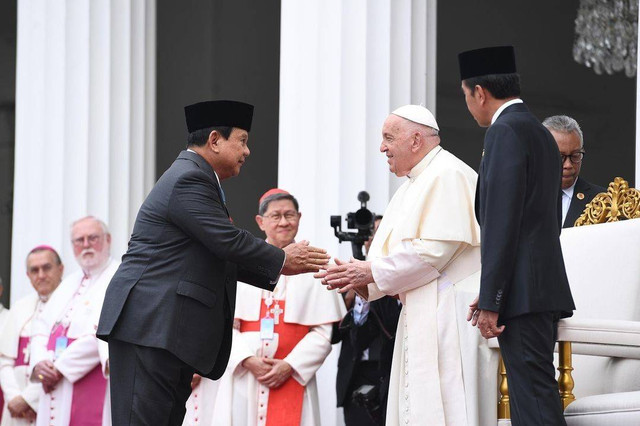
x=523 y=287
x=576 y=192
x=168 y=311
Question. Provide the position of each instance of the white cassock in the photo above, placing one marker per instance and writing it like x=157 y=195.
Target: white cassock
x=241 y=400
x=4 y=315
x=74 y=306
x=14 y=356
x=200 y=403
x=427 y=251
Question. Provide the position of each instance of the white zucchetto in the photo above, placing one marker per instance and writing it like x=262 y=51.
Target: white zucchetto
x=417 y=114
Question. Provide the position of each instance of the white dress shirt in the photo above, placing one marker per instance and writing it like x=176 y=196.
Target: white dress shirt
x=567 y=195
x=503 y=107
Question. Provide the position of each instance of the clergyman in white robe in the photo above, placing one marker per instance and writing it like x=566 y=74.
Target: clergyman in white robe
x=14 y=357
x=76 y=304
x=426 y=251
x=241 y=400
x=4 y=314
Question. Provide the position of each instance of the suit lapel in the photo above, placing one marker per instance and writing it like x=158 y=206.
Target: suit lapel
x=577 y=206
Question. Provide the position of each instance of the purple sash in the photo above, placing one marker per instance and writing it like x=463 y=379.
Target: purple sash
x=22 y=358
x=88 y=392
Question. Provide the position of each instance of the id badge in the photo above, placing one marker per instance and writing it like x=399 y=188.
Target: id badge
x=61 y=344
x=266 y=328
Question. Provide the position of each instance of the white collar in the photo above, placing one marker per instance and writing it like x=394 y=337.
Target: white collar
x=422 y=164
x=570 y=190
x=503 y=107
x=214 y=172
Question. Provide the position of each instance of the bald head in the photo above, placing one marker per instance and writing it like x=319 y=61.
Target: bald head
x=406 y=142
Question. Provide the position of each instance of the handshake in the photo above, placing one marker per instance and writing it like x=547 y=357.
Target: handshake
x=302 y=258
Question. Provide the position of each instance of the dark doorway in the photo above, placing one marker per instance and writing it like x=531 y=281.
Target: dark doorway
x=223 y=49
x=552 y=82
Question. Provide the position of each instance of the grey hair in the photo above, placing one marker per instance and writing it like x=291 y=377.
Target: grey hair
x=564 y=124
x=264 y=205
x=423 y=129
x=103 y=225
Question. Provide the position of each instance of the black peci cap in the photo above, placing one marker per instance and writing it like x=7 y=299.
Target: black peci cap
x=218 y=113
x=489 y=60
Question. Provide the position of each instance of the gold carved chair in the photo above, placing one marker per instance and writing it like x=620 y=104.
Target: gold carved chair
x=599 y=347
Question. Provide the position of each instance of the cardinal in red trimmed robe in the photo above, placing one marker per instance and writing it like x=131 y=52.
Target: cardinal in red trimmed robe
x=280 y=338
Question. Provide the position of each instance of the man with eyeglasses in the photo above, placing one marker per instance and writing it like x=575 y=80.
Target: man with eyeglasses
x=65 y=354
x=576 y=192
x=44 y=270
x=280 y=339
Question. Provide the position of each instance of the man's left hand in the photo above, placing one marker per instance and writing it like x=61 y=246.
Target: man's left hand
x=488 y=324
x=280 y=372
x=347 y=275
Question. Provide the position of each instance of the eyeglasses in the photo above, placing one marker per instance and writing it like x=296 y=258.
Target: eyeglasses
x=575 y=158
x=92 y=239
x=289 y=216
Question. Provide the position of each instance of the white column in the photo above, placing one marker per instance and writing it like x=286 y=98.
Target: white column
x=85 y=122
x=344 y=66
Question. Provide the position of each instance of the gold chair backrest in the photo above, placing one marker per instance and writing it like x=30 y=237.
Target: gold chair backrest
x=619 y=202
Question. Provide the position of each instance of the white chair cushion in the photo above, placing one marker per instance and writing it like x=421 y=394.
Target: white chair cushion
x=603 y=410
x=614 y=338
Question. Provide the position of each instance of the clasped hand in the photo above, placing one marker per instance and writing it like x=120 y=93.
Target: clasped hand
x=270 y=372
x=19 y=409
x=47 y=373
x=346 y=276
x=486 y=321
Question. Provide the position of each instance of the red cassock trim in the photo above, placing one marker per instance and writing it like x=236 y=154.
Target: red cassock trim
x=285 y=403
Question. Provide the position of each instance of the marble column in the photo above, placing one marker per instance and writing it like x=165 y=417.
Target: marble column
x=85 y=122
x=344 y=66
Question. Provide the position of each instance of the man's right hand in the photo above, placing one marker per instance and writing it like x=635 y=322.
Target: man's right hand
x=257 y=366
x=302 y=258
x=46 y=372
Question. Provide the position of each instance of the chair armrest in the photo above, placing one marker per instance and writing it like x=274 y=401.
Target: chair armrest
x=598 y=337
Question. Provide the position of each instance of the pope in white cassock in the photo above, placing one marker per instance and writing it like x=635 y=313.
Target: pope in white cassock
x=65 y=354
x=280 y=339
x=44 y=269
x=426 y=252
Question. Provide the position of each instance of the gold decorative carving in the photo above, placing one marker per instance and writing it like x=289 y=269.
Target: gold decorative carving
x=565 y=379
x=619 y=200
x=504 y=412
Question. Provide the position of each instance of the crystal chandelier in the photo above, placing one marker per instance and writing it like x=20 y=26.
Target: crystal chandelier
x=607 y=36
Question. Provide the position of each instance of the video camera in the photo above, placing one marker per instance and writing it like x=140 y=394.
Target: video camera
x=363 y=220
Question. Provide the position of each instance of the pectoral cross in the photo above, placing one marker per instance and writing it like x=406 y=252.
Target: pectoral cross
x=25 y=354
x=276 y=311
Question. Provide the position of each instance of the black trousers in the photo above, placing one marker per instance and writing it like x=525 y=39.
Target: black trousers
x=149 y=386
x=527 y=350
